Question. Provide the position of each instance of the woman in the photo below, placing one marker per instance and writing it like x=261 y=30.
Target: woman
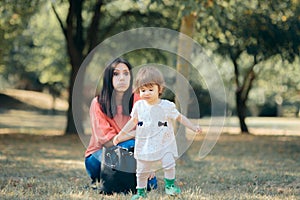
x=109 y=112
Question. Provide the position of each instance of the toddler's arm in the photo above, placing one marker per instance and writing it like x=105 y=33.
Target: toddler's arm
x=187 y=123
x=125 y=133
x=125 y=137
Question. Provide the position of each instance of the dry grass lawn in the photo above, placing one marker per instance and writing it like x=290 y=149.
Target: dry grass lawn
x=37 y=162
x=239 y=167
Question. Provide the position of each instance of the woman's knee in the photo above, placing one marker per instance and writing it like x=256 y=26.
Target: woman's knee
x=93 y=167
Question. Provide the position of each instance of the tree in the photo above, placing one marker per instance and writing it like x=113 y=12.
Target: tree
x=77 y=46
x=15 y=16
x=82 y=34
x=185 y=48
x=255 y=32
x=37 y=55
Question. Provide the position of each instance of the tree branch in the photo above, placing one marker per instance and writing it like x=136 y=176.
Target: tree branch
x=59 y=21
x=234 y=58
x=248 y=81
x=79 y=27
x=91 y=36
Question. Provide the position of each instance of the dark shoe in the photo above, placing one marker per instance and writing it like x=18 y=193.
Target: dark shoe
x=152 y=184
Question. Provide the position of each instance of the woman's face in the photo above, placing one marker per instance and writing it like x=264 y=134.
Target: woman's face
x=121 y=78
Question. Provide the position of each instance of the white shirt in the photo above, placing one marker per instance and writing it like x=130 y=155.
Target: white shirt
x=152 y=141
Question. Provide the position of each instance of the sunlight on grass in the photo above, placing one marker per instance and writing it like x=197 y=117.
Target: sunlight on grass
x=64 y=164
x=238 y=167
x=38 y=99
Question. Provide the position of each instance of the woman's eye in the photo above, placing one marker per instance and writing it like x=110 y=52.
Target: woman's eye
x=126 y=73
x=115 y=73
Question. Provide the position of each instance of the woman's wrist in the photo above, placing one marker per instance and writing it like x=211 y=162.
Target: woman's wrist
x=116 y=140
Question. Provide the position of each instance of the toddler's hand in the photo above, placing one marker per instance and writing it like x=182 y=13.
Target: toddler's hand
x=151 y=176
x=198 y=129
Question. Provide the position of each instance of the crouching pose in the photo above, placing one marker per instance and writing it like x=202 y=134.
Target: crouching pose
x=109 y=112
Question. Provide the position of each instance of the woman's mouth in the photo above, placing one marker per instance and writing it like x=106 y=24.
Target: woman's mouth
x=122 y=85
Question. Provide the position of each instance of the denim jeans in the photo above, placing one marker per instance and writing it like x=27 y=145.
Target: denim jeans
x=93 y=165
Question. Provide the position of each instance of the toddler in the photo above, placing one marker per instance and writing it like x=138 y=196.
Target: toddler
x=155 y=139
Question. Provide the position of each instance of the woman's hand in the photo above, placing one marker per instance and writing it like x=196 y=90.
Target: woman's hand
x=108 y=144
x=116 y=140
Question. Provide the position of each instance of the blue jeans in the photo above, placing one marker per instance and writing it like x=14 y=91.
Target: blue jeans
x=93 y=165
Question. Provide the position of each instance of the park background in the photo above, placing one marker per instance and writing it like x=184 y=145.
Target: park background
x=254 y=44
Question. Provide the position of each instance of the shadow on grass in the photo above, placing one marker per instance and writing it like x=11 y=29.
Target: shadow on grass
x=239 y=167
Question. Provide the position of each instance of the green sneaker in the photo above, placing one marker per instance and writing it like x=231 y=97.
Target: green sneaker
x=171 y=188
x=141 y=193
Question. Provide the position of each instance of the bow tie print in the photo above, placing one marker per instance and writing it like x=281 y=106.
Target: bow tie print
x=140 y=124
x=162 y=123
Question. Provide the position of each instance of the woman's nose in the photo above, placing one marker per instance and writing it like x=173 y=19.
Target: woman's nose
x=122 y=76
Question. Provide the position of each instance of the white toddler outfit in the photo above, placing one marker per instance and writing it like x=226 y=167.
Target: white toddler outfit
x=155 y=139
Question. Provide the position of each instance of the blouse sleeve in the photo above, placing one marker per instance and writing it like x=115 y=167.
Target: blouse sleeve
x=173 y=113
x=102 y=130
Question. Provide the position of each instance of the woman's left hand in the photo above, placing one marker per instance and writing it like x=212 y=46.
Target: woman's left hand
x=115 y=140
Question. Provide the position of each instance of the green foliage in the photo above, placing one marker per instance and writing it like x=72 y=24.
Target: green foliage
x=267 y=31
x=14 y=19
x=131 y=14
x=261 y=28
x=38 y=55
x=259 y=36
x=278 y=80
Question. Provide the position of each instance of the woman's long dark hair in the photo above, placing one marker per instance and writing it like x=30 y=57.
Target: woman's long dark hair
x=107 y=99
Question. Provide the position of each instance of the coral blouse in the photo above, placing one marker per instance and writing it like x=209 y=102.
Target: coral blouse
x=103 y=127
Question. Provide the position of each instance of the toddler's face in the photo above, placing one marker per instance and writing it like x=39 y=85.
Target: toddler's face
x=150 y=93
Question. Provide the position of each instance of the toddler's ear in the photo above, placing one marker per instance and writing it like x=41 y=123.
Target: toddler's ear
x=161 y=90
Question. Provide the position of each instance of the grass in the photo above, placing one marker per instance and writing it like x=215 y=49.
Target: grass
x=239 y=167
x=38 y=162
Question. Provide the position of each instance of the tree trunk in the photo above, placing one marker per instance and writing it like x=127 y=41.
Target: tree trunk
x=75 y=46
x=241 y=111
x=243 y=89
x=78 y=47
x=71 y=128
x=185 y=48
x=242 y=94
